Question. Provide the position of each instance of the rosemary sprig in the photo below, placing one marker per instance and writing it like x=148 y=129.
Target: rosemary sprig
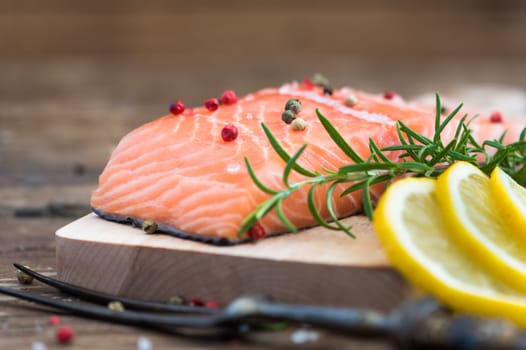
x=418 y=155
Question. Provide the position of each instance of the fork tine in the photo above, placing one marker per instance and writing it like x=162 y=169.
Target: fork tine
x=135 y=318
x=103 y=298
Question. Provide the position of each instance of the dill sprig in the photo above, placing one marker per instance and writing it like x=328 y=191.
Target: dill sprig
x=418 y=156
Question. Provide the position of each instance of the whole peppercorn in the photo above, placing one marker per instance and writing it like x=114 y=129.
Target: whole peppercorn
x=293 y=105
x=177 y=107
x=176 y=300
x=212 y=104
x=212 y=304
x=327 y=90
x=389 y=95
x=64 y=334
x=54 y=320
x=229 y=133
x=288 y=116
x=196 y=302
x=257 y=231
x=495 y=117
x=350 y=100
x=149 y=226
x=116 y=306
x=299 y=124
x=307 y=84
x=320 y=80
x=23 y=278
x=228 y=97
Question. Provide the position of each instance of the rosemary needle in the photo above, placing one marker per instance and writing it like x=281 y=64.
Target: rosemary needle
x=419 y=156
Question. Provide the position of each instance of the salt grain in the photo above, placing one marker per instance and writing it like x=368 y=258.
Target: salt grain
x=144 y=343
x=38 y=345
x=304 y=336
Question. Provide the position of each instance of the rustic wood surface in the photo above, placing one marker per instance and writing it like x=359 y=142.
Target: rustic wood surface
x=74 y=78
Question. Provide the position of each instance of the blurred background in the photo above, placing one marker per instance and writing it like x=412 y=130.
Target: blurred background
x=75 y=76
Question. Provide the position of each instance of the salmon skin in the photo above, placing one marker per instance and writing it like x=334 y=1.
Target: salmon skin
x=179 y=172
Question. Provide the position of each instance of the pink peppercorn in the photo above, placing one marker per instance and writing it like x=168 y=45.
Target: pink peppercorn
x=196 y=302
x=212 y=304
x=307 y=84
x=257 y=231
x=54 y=320
x=229 y=133
x=228 y=97
x=211 y=104
x=495 y=117
x=177 y=107
x=389 y=95
x=64 y=335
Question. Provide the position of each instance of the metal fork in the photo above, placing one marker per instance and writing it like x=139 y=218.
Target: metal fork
x=420 y=324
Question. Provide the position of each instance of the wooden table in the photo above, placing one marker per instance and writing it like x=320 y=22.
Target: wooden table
x=59 y=120
x=52 y=147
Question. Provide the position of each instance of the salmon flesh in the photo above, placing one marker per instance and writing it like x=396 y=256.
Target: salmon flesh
x=179 y=172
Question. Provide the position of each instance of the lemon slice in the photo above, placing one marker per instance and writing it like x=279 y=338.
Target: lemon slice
x=511 y=199
x=464 y=195
x=409 y=224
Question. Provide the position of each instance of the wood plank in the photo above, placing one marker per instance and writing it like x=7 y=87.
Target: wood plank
x=119 y=259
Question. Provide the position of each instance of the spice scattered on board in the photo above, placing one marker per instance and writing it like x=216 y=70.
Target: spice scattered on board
x=116 y=306
x=304 y=336
x=144 y=343
x=38 y=345
x=24 y=278
x=65 y=334
x=54 y=320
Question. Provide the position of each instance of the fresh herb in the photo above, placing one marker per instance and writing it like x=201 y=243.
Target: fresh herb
x=418 y=155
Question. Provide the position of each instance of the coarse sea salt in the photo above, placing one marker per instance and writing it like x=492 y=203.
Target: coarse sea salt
x=144 y=343
x=38 y=345
x=303 y=336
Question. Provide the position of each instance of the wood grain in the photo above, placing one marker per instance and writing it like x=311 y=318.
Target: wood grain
x=315 y=266
x=265 y=31
x=76 y=76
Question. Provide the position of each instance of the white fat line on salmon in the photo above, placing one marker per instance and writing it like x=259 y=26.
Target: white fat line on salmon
x=329 y=102
x=261 y=119
x=214 y=133
x=127 y=145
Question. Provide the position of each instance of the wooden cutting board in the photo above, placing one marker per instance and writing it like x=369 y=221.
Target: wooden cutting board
x=315 y=266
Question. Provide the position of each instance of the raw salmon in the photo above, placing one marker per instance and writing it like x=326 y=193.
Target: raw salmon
x=178 y=171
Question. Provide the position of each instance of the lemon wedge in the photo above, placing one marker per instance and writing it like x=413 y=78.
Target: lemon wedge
x=511 y=199
x=471 y=215
x=409 y=224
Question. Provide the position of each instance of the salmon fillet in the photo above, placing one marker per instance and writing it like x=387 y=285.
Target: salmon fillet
x=178 y=171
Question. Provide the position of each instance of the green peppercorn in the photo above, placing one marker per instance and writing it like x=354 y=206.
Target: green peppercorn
x=293 y=105
x=116 y=306
x=319 y=79
x=176 y=300
x=23 y=278
x=149 y=226
x=288 y=116
x=299 y=124
x=350 y=100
